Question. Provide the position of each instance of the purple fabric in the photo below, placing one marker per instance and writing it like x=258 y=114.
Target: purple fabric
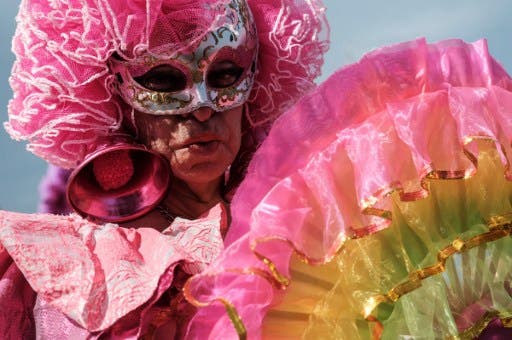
x=52 y=191
x=496 y=331
x=50 y=323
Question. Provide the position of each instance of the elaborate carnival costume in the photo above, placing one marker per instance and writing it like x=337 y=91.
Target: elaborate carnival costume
x=75 y=92
x=379 y=206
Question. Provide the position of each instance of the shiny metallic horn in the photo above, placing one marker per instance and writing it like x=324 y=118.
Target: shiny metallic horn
x=118 y=183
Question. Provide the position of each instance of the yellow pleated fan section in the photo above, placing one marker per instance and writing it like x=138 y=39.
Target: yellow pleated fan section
x=442 y=270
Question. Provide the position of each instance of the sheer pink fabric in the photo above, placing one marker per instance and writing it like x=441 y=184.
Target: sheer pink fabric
x=95 y=279
x=325 y=171
x=64 y=98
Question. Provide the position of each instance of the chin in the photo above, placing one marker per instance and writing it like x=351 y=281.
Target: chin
x=203 y=172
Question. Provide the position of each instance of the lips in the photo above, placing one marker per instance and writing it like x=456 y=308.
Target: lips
x=206 y=143
x=202 y=139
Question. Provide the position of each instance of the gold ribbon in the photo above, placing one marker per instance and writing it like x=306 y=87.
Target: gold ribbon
x=282 y=280
x=235 y=319
x=499 y=227
x=231 y=311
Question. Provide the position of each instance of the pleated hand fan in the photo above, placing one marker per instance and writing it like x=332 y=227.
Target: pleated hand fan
x=378 y=207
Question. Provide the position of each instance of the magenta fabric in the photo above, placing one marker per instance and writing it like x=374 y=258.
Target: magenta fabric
x=325 y=171
x=16 y=300
x=95 y=279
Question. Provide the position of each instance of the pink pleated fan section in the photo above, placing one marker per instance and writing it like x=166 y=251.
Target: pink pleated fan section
x=402 y=114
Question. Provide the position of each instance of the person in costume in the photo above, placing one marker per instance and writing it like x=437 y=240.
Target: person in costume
x=158 y=107
x=390 y=219
x=377 y=207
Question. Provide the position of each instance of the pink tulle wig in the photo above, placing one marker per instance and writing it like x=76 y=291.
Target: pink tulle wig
x=65 y=99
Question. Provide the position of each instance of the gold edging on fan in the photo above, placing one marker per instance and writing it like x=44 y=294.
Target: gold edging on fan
x=499 y=226
x=368 y=208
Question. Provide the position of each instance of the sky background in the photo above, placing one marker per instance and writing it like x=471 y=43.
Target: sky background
x=356 y=28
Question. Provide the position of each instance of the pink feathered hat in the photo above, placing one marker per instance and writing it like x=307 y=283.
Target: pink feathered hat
x=64 y=99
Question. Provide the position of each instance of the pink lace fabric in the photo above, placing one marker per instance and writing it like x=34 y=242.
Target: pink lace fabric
x=64 y=98
x=324 y=174
x=93 y=280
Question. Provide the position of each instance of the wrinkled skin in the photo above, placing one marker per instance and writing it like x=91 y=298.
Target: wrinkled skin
x=200 y=146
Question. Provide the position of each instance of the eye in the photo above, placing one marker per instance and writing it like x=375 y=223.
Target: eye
x=223 y=74
x=163 y=78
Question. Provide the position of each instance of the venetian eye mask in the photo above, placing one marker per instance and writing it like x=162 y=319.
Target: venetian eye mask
x=218 y=73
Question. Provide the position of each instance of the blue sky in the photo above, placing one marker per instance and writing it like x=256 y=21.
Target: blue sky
x=356 y=27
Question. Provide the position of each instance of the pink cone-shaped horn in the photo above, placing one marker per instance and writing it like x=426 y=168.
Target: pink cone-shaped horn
x=118 y=182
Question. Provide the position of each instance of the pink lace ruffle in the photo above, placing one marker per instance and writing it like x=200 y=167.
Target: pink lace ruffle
x=402 y=114
x=64 y=101
x=104 y=279
x=293 y=37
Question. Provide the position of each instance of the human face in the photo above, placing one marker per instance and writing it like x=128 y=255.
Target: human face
x=180 y=82
x=200 y=146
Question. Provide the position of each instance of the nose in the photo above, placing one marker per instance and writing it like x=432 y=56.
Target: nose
x=202 y=114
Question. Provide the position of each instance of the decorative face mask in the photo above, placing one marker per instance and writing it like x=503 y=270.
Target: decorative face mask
x=218 y=73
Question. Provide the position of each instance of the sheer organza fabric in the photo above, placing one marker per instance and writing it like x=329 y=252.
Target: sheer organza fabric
x=332 y=184
x=64 y=97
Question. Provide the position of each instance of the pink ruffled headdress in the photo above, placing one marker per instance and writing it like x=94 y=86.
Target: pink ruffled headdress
x=64 y=99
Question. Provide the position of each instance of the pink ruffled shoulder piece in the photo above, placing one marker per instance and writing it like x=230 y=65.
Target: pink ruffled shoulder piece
x=97 y=274
x=402 y=114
